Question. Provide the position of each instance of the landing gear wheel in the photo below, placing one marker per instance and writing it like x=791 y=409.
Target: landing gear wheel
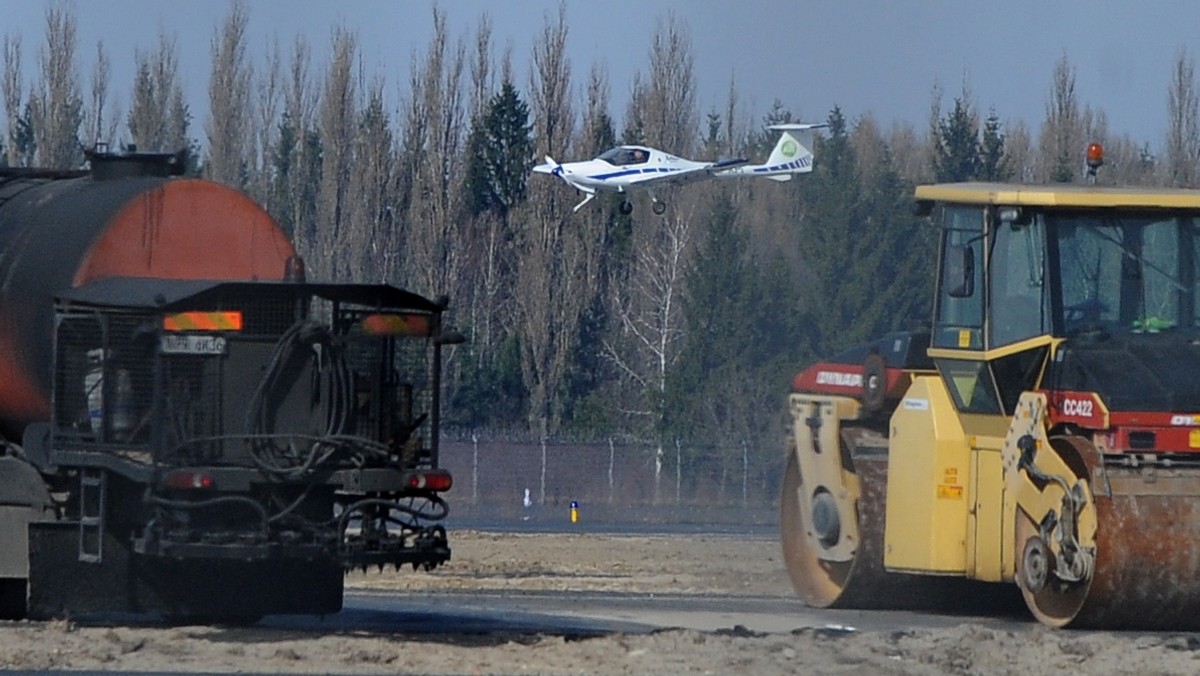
x=626 y=207
x=659 y=208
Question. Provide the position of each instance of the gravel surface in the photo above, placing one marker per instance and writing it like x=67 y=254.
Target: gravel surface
x=563 y=562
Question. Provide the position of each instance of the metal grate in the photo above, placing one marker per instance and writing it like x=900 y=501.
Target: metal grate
x=394 y=375
x=105 y=380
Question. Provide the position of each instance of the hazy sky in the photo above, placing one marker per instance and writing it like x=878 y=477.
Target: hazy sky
x=882 y=57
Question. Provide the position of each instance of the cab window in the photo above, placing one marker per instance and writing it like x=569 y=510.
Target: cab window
x=971 y=385
x=959 y=313
x=623 y=156
x=1017 y=293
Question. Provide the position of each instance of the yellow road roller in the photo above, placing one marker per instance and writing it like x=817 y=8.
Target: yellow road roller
x=1043 y=431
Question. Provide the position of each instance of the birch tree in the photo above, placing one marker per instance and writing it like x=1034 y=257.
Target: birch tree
x=646 y=346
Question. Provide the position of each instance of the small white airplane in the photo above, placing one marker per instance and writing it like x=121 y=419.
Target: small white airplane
x=625 y=169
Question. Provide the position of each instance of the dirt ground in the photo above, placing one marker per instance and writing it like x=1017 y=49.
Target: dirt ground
x=676 y=564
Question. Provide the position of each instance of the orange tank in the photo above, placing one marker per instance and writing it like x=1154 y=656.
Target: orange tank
x=127 y=216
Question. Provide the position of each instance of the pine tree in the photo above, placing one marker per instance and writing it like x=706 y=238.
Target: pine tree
x=498 y=154
x=993 y=163
x=957 y=156
x=741 y=334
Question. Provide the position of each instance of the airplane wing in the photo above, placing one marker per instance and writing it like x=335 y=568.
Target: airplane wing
x=692 y=174
x=724 y=164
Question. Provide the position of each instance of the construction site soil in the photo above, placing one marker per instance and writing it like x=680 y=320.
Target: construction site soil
x=676 y=564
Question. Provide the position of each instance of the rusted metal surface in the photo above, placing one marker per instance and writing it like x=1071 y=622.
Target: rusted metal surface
x=1147 y=570
x=58 y=232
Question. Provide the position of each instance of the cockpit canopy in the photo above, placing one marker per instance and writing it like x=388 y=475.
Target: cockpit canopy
x=623 y=155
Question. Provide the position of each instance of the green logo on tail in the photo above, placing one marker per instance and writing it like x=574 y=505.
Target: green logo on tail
x=789 y=148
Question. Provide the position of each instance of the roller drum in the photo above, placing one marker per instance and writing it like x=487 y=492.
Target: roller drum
x=1146 y=573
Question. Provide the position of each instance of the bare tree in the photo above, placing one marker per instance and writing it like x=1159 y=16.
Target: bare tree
x=1062 y=131
x=597 y=133
x=56 y=106
x=372 y=186
x=297 y=158
x=1019 y=151
x=907 y=153
x=158 y=118
x=432 y=149
x=736 y=133
x=550 y=88
x=1127 y=162
x=13 y=88
x=667 y=104
x=550 y=267
x=337 y=115
x=482 y=82
x=1182 y=154
x=101 y=127
x=268 y=94
x=648 y=307
x=229 y=102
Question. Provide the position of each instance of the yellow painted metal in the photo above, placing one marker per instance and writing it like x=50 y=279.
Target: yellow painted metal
x=1059 y=195
x=985 y=523
x=1031 y=500
x=996 y=353
x=928 y=483
x=816 y=430
x=985 y=439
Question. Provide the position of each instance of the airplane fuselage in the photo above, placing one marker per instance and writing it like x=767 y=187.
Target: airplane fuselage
x=625 y=168
x=602 y=176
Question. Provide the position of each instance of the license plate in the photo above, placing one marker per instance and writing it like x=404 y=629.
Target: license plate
x=185 y=344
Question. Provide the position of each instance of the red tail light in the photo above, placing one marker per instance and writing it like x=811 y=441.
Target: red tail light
x=431 y=481
x=188 y=480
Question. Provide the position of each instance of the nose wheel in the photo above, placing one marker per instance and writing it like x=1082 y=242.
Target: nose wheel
x=626 y=207
x=658 y=207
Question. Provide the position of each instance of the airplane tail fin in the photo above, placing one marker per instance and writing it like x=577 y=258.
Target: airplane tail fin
x=793 y=152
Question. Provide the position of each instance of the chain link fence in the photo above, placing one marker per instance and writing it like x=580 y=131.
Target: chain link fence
x=613 y=481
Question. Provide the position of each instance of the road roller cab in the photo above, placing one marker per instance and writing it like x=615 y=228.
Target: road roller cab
x=1051 y=437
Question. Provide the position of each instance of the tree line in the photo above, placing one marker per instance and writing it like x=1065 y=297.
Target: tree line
x=681 y=327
